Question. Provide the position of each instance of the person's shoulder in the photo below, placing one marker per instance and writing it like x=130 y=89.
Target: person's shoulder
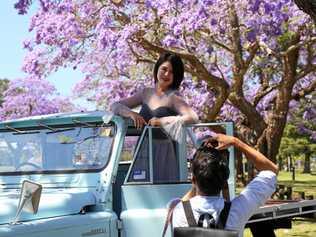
x=267 y=174
x=178 y=216
x=178 y=206
x=262 y=179
x=145 y=92
x=178 y=210
x=148 y=90
x=151 y=89
x=176 y=95
x=265 y=177
x=257 y=191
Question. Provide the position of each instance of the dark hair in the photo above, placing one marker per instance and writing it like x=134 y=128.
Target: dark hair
x=210 y=169
x=177 y=68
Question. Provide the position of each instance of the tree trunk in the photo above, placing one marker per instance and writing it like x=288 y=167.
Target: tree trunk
x=271 y=139
x=307 y=163
x=280 y=162
x=251 y=171
x=308 y=6
x=239 y=167
x=288 y=163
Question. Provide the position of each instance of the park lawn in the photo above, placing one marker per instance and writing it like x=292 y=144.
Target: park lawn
x=300 y=228
x=303 y=183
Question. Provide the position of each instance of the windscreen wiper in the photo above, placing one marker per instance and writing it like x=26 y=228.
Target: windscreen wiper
x=83 y=123
x=20 y=132
x=46 y=126
x=60 y=130
x=54 y=130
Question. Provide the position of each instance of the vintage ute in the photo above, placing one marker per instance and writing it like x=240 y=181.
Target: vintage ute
x=67 y=175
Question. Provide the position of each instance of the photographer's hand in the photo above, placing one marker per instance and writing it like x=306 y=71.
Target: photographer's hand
x=220 y=141
x=261 y=162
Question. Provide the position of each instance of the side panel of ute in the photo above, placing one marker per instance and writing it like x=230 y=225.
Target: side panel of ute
x=101 y=224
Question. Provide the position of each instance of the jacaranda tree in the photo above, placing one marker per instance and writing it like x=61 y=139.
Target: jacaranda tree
x=246 y=60
x=31 y=96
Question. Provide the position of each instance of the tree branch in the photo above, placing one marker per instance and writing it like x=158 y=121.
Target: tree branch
x=302 y=93
x=252 y=52
x=139 y=58
x=255 y=119
x=268 y=50
x=197 y=68
x=203 y=73
x=262 y=94
x=221 y=98
x=299 y=45
x=236 y=40
x=218 y=68
x=207 y=34
x=304 y=72
x=216 y=42
x=236 y=95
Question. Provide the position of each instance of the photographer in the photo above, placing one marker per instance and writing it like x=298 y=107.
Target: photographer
x=210 y=172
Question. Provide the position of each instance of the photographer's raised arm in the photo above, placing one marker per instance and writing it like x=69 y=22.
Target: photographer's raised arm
x=260 y=161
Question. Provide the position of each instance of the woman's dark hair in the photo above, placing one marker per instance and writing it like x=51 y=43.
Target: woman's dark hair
x=177 y=68
x=210 y=169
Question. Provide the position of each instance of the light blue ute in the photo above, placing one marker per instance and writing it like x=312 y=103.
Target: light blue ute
x=82 y=162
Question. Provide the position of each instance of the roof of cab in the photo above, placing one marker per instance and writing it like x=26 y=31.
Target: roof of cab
x=56 y=119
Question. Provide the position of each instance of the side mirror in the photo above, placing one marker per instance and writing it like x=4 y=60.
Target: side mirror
x=29 y=198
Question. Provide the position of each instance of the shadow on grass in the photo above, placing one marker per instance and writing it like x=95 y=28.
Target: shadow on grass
x=303 y=227
x=299 y=183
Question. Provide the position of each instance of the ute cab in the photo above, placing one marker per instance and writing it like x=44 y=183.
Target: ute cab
x=85 y=165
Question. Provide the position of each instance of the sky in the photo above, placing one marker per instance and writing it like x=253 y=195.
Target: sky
x=14 y=30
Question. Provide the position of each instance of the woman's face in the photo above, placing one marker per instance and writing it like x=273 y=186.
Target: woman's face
x=165 y=75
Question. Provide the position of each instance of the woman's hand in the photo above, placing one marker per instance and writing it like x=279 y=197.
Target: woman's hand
x=155 y=122
x=139 y=121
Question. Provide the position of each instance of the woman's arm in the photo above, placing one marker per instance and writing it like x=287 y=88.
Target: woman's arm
x=123 y=108
x=187 y=114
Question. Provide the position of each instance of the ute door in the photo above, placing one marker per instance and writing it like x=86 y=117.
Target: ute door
x=144 y=199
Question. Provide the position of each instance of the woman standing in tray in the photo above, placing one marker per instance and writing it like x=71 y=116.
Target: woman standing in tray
x=161 y=106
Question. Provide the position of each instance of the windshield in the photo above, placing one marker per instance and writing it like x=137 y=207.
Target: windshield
x=55 y=149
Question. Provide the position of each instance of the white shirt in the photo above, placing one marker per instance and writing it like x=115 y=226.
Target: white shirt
x=242 y=208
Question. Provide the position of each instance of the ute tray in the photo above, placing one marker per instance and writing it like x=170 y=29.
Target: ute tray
x=277 y=209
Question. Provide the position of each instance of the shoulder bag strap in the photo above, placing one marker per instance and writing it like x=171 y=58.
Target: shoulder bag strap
x=169 y=215
x=223 y=216
x=189 y=213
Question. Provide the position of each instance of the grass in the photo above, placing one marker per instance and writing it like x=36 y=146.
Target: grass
x=303 y=182
x=300 y=226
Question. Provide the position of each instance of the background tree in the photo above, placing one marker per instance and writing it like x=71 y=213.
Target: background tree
x=27 y=97
x=3 y=87
x=295 y=144
x=299 y=137
x=244 y=63
x=308 y=6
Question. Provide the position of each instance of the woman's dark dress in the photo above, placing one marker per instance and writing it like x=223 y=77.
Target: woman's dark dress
x=173 y=108
x=165 y=162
